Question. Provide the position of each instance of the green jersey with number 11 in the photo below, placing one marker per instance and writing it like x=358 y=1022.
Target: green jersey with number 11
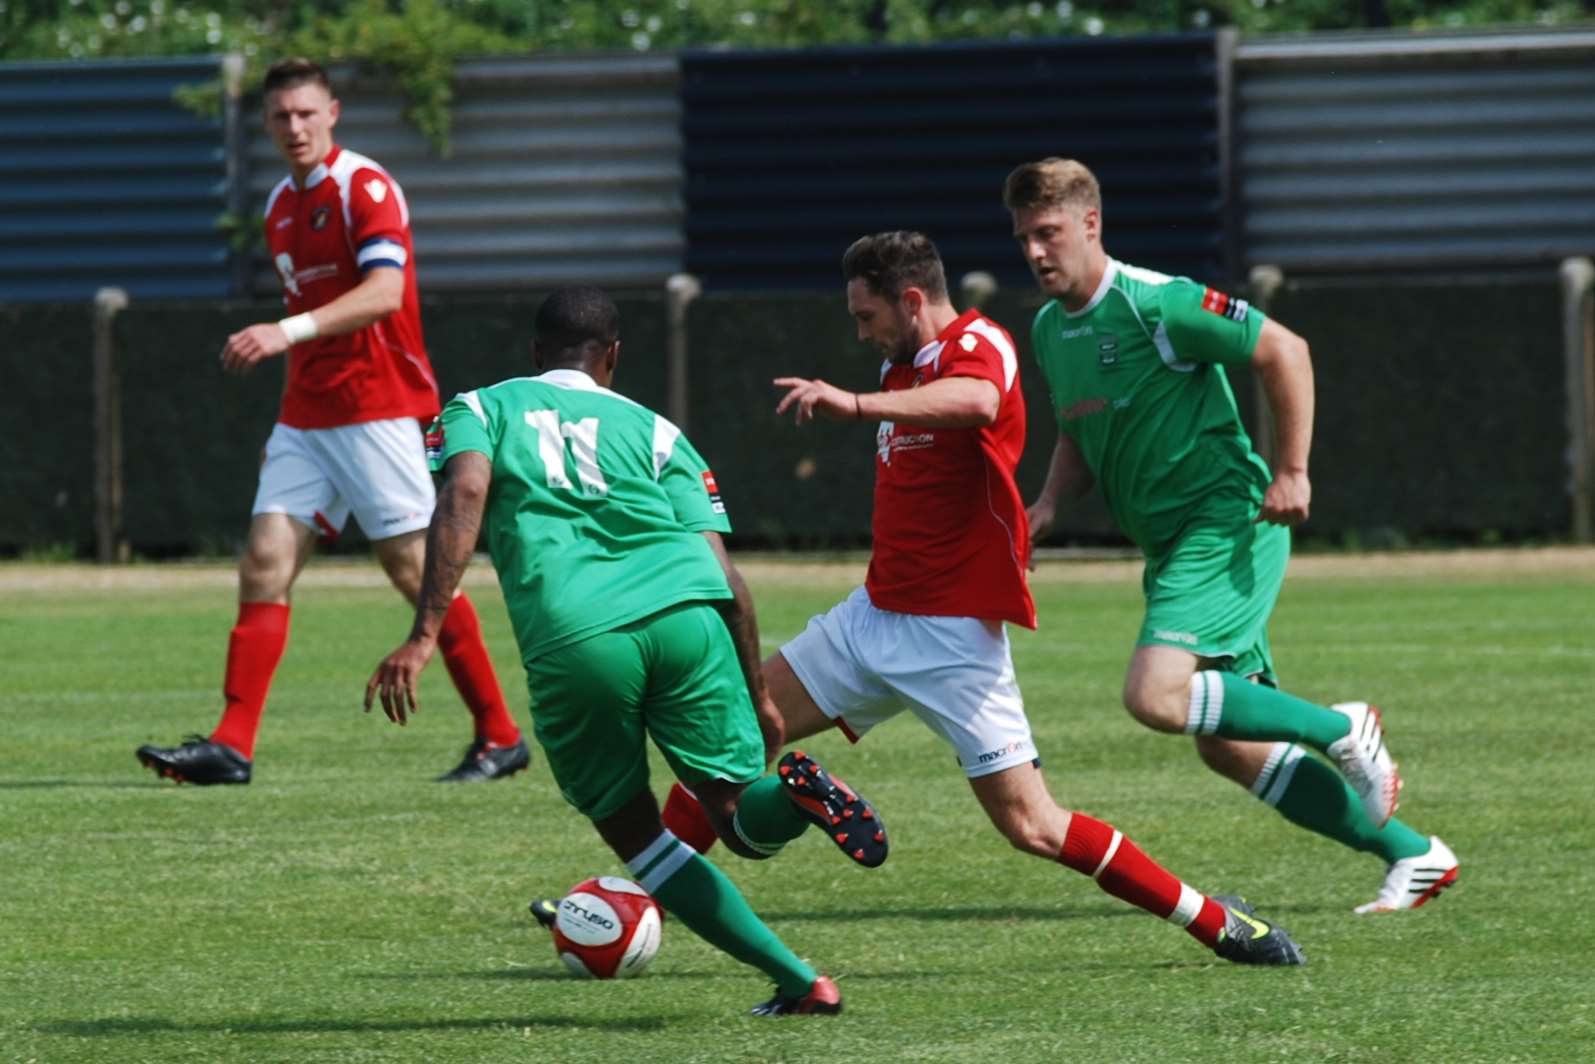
x=1137 y=381
x=595 y=509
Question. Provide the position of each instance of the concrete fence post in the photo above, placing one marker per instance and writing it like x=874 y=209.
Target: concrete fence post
x=680 y=290
x=976 y=289
x=1578 y=351
x=108 y=543
x=1264 y=282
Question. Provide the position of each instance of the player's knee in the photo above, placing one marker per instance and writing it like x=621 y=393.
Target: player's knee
x=1154 y=706
x=265 y=570
x=1029 y=834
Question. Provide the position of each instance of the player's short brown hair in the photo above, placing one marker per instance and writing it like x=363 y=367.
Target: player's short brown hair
x=893 y=262
x=291 y=73
x=1052 y=182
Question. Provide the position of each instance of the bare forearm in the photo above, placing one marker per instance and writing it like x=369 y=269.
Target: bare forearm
x=450 y=541
x=743 y=625
x=374 y=298
x=952 y=402
x=1288 y=384
x=1068 y=477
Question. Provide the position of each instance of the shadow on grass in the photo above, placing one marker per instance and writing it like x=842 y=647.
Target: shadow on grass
x=550 y=974
x=126 y=1028
x=21 y=785
x=994 y=913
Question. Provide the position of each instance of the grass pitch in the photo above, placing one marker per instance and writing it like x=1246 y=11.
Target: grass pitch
x=344 y=908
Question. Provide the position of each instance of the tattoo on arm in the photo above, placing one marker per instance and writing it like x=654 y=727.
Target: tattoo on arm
x=744 y=626
x=450 y=540
x=740 y=620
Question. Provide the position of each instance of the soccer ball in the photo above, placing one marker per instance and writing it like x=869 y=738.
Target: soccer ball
x=607 y=928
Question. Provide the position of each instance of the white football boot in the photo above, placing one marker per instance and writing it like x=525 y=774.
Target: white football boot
x=1365 y=762
x=1412 y=881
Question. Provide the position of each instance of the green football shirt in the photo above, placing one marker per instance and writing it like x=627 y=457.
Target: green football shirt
x=594 y=513
x=1137 y=381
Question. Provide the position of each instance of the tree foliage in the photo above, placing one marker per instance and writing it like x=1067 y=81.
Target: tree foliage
x=416 y=42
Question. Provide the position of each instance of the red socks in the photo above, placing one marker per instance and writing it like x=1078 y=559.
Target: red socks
x=471 y=669
x=1123 y=870
x=686 y=820
x=255 y=647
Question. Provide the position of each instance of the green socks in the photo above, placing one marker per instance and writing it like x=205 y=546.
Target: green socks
x=1226 y=705
x=766 y=818
x=700 y=896
x=1313 y=795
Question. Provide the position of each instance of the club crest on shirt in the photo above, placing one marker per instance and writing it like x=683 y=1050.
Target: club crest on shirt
x=1107 y=349
x=377 y=190
x=319 y=216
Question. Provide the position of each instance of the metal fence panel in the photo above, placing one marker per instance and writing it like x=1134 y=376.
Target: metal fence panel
x=563 y=169
x=1416 y=152
x=106 y=180
x=790 y=155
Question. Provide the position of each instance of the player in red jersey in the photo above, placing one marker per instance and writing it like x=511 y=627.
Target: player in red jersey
x=348 y=437
x=951 y=545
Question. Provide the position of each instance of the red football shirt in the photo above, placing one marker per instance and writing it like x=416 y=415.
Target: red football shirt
x=951 y=539
x=349 y=218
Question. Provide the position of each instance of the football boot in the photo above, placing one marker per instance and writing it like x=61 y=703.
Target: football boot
x=823 y=999
x=847 y=819
x=485 y=761
x=198 y=760
x=1249 y=939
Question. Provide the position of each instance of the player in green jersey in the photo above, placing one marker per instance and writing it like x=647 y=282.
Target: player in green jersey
x=604 y=525
x=1134 y=361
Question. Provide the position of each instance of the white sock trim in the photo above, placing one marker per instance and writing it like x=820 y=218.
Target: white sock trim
x=1282 y=778
x=1266 y=776
x=1206 y=705
x=665 y=867
x=651 y=853
x=1188 y=908
x=756 y=847
x=1113 y=848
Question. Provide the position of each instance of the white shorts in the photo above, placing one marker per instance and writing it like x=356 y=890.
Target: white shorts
x=863 y=665
x=377 y=469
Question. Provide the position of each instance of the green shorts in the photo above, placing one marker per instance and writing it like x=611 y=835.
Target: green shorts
x=674 y=676
x=1213 y=591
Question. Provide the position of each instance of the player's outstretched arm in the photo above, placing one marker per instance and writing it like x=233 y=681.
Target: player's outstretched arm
x=450 y=539
x=744 y=626
x=1068 y=479
x=948 y=403
x=379 y=294
x=1284 y=364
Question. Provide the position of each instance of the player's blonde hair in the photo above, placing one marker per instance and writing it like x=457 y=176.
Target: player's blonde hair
x=1052 y=182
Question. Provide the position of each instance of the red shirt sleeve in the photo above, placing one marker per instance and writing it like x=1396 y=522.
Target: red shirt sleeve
x=971 y=355
x=378 y=221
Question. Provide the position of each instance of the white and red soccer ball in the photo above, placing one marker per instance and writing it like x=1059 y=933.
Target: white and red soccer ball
x=607 y=928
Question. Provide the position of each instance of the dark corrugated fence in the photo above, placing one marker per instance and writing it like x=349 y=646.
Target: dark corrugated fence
x=1416 y=152
x=106 y=180
x=790 y=155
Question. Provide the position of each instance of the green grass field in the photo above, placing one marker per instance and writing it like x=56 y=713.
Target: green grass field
x=344 y=908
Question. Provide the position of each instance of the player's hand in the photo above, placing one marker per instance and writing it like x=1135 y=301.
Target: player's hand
x=249 y=346
x=816 y=398
x=1287 y=500
x=395 y=680
x=1040 y=515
